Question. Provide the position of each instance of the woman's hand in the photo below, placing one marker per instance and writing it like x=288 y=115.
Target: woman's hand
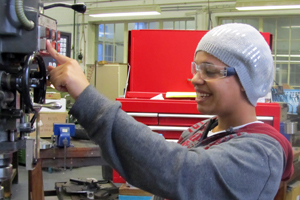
x=68 y=75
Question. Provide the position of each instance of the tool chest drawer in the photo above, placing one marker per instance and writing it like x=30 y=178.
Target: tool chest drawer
x=188 y=120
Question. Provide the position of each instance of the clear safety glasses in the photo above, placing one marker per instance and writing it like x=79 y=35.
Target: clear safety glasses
x=210 y=71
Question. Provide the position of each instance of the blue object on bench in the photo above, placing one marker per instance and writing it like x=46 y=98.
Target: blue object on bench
x=63 y=133
x=127 y=197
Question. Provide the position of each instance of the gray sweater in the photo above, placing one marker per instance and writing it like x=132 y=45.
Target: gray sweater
x=246 y=167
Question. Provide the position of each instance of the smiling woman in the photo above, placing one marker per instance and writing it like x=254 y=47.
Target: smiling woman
x=214 y=157
x=218 y=94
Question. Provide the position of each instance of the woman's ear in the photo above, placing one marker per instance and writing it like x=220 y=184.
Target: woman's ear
x=242 y=88
x=240 y=84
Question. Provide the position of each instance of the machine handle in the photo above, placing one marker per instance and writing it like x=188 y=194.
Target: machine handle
x=51 y=105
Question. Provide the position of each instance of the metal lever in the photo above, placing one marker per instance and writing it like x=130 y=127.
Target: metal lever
x=51 y=105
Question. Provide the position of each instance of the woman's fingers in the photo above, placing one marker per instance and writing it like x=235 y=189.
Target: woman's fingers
x=60 y=59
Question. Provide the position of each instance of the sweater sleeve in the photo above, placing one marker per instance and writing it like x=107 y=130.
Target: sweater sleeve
x=169 y=170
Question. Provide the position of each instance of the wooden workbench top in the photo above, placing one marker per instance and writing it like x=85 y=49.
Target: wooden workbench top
x=128 y=190
x=81 y=153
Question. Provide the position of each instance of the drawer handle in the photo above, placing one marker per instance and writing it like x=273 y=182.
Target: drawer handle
x=185 y=116
x=143 y=114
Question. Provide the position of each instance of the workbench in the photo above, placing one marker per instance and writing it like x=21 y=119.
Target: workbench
x=128 y=192
x=81 y=153
x=86 y=153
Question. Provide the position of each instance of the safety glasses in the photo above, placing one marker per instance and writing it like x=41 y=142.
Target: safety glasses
x=210 y=71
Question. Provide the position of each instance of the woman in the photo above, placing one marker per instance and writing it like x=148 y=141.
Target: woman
x=232 y=156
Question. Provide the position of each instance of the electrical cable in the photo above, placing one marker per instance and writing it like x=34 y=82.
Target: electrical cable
x=209 y=26
x=28 y=25
x=275 y=82
x=79 y=7
x=83 y=38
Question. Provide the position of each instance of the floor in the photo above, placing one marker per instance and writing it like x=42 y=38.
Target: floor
x=20 y=190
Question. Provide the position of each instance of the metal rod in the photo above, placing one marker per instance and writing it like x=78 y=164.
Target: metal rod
x=95 y=81
x=37 y=139
x=74 y=34
x=65 y=155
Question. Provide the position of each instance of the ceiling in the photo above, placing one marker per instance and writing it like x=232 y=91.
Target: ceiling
x=165 y=5
x=201 y=10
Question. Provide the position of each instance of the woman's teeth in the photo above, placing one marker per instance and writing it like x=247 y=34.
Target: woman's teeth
x=202 y=95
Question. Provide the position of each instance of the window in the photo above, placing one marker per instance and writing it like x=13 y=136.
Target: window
x=100 y=51
x=111 y=42
x=179 y=25
x=111 y=36
x=109 y=52
x=143 y=25
x=101 y=31
x=190 y=25
x=153 y=25
x=168 y=25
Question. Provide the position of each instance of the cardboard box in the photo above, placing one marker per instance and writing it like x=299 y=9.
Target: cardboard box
x=293 y=192
x=53 y=95
x=47 y=119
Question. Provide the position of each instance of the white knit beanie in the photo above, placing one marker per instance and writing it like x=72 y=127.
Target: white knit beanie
x=242 y=47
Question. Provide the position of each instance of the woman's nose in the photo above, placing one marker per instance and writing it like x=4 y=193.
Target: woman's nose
x=197 y=79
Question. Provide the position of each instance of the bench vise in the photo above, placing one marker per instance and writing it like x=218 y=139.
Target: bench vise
x=63 y=134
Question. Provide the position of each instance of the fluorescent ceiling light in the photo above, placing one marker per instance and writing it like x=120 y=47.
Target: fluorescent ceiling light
x=266 y=5
x=124 y=14
x=125 y=11
x=292 y=56
x=290 y=27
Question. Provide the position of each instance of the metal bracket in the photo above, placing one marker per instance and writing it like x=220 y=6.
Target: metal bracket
x=30 y=154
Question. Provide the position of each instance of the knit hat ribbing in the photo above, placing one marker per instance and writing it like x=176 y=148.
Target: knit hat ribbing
x=242 y=47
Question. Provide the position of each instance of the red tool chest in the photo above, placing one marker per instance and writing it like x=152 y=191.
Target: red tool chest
x=160 y=62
